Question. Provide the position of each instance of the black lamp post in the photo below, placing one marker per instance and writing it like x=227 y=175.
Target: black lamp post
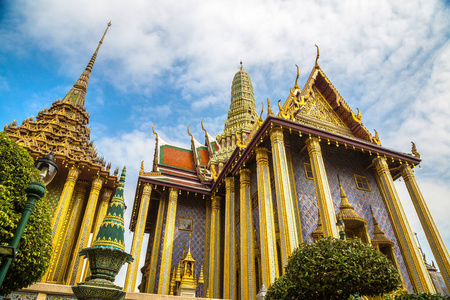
x=35 y=191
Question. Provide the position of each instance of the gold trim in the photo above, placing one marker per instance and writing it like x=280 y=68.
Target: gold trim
x=363 y=178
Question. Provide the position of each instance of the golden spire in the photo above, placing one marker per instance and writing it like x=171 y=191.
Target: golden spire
x=77 y=94
x=347 y=211
x=241 y=67
x=378 y=234
x=318 y=233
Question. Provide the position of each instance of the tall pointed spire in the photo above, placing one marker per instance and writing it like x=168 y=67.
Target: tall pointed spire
x=77 y=93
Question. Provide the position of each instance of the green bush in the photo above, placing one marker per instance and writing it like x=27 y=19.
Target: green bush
x=422 y=296
x=335 y=269
x=34 y=251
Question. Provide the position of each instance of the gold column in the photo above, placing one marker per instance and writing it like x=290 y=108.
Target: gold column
x=298 y=224
x=155 y=247
x=207 y=244
x=166 y=258
x=229 y=268
x=323 y=193
x=76 y=265
x=247 y=260
x=214 y=256
x=286 y=216
x=267 y=238
x=136 y=245
x=58 y=220
x=101 y=213
x=416 y=267
x=431 y=231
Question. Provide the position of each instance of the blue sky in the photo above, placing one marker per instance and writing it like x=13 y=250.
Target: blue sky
x=172 y=63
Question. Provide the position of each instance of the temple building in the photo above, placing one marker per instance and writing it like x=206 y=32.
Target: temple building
x=245 y=199
x=83 y=187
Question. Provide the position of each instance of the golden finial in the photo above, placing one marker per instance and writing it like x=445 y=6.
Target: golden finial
x=414 y=150
x=358 y=118
x=260 y=116
x=101 y=40
x=283 y=113
x=239 y=142
x=142 y=168
x=154 y=132
x=213 y=173
x=269 y=108
x=241 y=67
x=316 y=65
x=376 y=139
x=192 y=138
x=296 y=79
x=206 y=133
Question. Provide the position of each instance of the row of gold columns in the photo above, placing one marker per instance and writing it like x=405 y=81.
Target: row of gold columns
x=229 y=274
x=416 y=267
x=58 y=221
x=150 y=287
x=268 y=248
x=286 y=214
x=70 y=233
x=76 y=264
x=136 y=244
x=166 y=257
x=247 y=257
x=214 y=256
x=434 y=238
x=324 y=200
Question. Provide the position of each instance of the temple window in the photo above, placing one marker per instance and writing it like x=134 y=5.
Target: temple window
x=362 y=183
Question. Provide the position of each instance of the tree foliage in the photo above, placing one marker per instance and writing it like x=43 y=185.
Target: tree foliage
x=34 y=250
x=335 y=269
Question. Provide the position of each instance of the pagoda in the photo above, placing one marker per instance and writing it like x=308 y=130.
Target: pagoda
x=82 y=189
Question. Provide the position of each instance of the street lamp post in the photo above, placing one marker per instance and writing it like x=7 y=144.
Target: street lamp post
x=35 y=190
x=341 y=227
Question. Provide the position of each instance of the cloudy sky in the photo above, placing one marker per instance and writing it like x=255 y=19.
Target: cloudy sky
x=172 y=63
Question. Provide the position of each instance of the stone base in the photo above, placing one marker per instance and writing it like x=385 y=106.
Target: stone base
x=98 y=291
x=188 y=292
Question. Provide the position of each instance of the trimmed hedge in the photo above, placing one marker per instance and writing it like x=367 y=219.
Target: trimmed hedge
x=34 y=251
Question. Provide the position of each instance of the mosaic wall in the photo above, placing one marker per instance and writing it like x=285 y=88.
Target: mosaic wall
x=55 y=189
x=255 y=204
x=345 y=165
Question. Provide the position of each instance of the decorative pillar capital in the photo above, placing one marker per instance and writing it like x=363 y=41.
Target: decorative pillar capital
x=73 y=174
x=407 y=172
x=215 y=202
x=381 y=165
x=173 y=194
x=262 y=155
x=97 y=181
x=313 y=145
x=147 y=189
x=245 y=175
x=106 y=196
x=229 y=184
x=276 y=135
